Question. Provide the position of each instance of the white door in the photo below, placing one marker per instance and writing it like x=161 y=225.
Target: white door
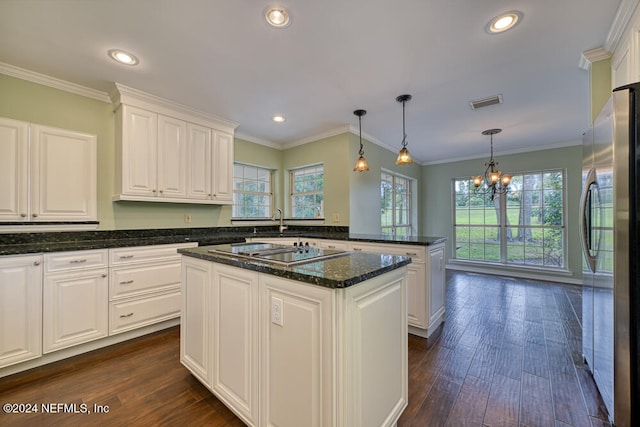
x=139 y=151
x=63 y=175
x=223 y=167
x=199 y=161
x=172 y=157
x=20 y=308
x=14 y=170
x=75 y=308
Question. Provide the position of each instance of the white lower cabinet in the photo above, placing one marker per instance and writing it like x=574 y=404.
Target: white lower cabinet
x=20 y=308
x=426 y=287
x=75 y=299
x=144 y=286
x=286 y=353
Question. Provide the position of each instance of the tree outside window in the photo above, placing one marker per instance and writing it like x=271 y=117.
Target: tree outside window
x=307 y=192
x=395 y=205
x=525 y=226
x=252 y=191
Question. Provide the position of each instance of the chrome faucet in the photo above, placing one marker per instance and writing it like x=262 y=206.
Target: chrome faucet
x=282 y=226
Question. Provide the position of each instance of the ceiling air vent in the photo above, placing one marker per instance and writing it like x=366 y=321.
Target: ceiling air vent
x=485 y=102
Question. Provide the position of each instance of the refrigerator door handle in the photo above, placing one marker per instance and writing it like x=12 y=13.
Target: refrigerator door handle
x=585 y=221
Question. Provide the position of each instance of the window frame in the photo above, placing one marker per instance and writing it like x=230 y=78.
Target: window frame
x=394 y=227
x=502 y=228
x=271 y=173
x=318 y=208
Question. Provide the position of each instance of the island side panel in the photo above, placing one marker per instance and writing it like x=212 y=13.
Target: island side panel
x=373 y=352
x=297 y=356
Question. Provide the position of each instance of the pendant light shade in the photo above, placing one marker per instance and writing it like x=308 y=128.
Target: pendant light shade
x=361 y=164
x=404 y=158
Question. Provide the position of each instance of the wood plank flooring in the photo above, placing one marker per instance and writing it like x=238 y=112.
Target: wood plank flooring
x=509 y=354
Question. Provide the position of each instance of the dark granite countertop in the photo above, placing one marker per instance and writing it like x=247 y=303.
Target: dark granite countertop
x=338 y=272
x=25 y=243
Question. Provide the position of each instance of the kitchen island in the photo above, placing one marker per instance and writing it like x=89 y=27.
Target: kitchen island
x=322 y=342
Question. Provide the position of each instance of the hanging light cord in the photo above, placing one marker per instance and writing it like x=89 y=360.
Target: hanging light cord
x=404 y=134
x=361 y=152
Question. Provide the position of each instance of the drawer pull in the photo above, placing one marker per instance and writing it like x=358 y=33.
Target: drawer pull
x=412 y=253
x=78 y=261
x=126 y=256
x=128 y=282
x=357 y=249
x=331 y=246
x=126 y=315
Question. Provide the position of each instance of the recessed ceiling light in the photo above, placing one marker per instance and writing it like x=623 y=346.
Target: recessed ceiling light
x=123 y=57
x=277 y=17
x=278 y=118
x=504 y=22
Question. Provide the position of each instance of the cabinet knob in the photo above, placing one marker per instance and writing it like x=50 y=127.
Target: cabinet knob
x=23 y=215
x=161 y=191
x=153 y=191
x=35 y=215
x=36 y=263
x=104 y=275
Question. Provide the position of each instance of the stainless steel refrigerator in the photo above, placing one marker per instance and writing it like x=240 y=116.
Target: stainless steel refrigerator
x=610 y=241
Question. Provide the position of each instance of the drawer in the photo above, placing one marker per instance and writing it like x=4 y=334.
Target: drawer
x=139 y=312
x=123 y=256
x=130 y=281
x=75 y=260
x=417 y=253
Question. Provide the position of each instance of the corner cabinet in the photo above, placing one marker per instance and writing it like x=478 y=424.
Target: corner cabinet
x=166 y=152
x=48 y=174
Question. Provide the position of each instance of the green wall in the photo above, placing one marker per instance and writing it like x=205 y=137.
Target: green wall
x=364 y=188
x=437 y=195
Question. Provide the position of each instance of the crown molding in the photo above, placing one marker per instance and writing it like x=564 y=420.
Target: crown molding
x=316 y=137
x=32 y=76
x=593 y=55
x=564 y=144
x=258 y=141
x=620 y=21
x=121 y=94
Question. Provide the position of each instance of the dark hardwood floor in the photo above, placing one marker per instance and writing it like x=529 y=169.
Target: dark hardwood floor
x=509 y=354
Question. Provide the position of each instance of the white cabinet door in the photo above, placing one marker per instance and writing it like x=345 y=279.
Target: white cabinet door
x=222 y=171
x=20 y=308
x=199 y=161
x=195 y=329
x=138 y=129
x=75 y=308
x=172 y=157
x=63 y=175
x=437 y=285
x=235 y=334
x=14 y=170
x=416 y=295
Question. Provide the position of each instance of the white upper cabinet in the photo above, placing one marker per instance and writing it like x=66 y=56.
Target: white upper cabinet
x=48 y=174
x=167 y=152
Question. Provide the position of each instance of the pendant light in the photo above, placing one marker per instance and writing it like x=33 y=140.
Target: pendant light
x=495 y=182
x=361 y=164
x=404 y=158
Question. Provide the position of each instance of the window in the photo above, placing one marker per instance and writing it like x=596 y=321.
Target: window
x=307 y=192
x=395 y=205
x=252 y=196
x=523 y=227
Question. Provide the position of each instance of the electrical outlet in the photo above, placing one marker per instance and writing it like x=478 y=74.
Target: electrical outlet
x=336 y=217
x=187 y=218
x=277 y=315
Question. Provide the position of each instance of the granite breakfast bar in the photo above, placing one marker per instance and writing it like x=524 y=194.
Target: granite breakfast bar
x=318 y=342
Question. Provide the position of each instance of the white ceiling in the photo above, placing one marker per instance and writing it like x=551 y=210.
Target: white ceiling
x=220 y=56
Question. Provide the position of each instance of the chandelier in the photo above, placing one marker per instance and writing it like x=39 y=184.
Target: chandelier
x=493 y=181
